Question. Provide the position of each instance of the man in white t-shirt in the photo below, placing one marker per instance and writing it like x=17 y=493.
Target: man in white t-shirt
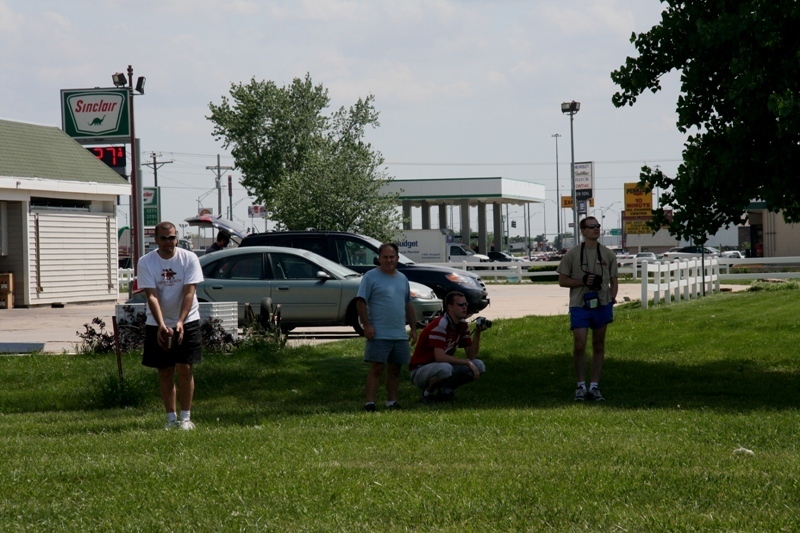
x=173 y=342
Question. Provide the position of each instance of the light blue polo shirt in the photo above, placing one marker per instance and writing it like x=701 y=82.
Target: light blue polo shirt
x=386 y=298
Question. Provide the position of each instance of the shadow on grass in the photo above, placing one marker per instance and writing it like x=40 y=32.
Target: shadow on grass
x=529 y=366
x=335 y=384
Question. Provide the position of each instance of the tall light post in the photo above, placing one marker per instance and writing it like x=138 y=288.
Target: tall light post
x=570 y=108
x=603 y=212
x=558 y=191
x=137 y=229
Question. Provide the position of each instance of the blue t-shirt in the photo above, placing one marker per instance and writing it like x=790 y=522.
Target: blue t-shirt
x=386 y=298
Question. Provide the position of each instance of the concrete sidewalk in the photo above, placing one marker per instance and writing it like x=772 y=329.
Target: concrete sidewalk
x=55 y=330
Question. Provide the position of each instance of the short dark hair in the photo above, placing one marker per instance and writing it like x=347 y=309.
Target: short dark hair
x=582 y=223
x=165 y=225
x=451 y=296
x=391 y=245
x=224 y=237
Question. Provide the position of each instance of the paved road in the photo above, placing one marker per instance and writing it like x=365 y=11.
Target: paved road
x=55 y=330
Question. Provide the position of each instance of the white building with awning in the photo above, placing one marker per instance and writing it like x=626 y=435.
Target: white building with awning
x=466 y=193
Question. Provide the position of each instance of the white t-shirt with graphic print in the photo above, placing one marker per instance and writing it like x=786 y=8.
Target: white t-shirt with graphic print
x=168 y=276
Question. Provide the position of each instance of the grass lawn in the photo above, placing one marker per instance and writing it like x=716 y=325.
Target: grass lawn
x=699 y=433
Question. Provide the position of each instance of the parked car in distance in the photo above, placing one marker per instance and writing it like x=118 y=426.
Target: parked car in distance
x=501 y=256
x=690 y=251
x=624 y=259
x=309 y=289
x=645 y=256
x=360 y=253
x=732 y=254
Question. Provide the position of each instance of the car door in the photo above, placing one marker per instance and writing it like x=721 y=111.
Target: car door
x=241 y=278
x=303 y=297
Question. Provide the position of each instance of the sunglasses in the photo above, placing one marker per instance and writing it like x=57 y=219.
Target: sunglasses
x=460 y=304
x=592 y=226
x=168 y=237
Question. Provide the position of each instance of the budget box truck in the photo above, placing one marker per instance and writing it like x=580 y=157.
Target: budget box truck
x=435 y=246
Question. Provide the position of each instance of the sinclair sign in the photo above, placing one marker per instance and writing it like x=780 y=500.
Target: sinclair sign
x=96 y=116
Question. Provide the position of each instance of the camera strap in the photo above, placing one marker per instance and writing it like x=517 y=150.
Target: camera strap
x=594 y=266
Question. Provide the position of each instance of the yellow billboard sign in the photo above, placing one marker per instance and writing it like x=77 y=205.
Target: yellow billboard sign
x=637 y=227
x=638 y=202
x=566 y=202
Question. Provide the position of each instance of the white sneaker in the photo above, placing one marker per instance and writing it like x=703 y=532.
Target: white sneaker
x=187 y=425
x=172 y=424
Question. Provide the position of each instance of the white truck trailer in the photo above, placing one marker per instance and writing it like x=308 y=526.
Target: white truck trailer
x=436 y=246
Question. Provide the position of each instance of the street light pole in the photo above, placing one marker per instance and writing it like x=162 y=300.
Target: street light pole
x=136 y=186
x=570 y=108
x=558 y=191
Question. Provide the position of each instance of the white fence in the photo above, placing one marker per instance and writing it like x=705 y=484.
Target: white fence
x=666 y=280
x=124 y=278
x=682 y=278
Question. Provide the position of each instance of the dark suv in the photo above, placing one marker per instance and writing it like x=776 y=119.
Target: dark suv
x=360 y=253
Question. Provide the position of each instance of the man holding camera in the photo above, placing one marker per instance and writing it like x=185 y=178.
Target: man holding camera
x=590 y=272
x=434 y=368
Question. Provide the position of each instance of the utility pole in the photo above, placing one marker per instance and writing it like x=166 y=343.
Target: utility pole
x=219 y=170
x=156 y=164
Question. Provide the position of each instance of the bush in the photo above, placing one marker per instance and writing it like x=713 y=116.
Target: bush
x=763 y=286
x=544 y=268
x=95 y=339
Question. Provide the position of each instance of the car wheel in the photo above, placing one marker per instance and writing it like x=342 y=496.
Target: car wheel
x=354 y=321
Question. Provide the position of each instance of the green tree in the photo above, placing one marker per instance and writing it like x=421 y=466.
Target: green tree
x=308 y=168
x=740 y=98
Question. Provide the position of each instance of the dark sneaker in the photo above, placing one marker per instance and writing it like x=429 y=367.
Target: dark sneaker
x=427 y=400
x=394 y=407
x=370 y=408
x=580 y=394
x=446 y=396
x=595 y=395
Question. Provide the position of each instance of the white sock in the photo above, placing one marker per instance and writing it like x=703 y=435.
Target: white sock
x=389 y=404
x=171 y=417
x=582 y=385
x=592 y=385
x=185 y=415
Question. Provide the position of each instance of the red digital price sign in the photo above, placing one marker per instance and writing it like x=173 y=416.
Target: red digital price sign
x=113 y=156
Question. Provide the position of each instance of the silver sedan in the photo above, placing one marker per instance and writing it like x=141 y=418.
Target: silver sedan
x=308 y=289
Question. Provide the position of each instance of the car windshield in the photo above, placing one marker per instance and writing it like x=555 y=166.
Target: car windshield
x=403 y=260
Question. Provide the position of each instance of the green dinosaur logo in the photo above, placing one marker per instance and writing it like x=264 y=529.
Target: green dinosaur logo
x=97 y=121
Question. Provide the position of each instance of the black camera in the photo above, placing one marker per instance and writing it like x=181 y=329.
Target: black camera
x=483 y=323
x=596 y=284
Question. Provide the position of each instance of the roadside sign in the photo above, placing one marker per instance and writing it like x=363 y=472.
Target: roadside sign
x=584 y=180
x=96 y=116
x=638 y=203
x=566 y=202
x=151 y=204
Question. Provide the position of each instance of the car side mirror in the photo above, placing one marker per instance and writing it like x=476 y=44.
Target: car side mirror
x=322 y=275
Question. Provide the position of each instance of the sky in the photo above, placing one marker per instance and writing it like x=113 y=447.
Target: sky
x=465 y=88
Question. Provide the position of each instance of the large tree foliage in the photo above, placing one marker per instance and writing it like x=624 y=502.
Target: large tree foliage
x=740 y=99
x=308 y=168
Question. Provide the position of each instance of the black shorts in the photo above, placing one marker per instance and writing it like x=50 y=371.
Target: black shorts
x=187 y=352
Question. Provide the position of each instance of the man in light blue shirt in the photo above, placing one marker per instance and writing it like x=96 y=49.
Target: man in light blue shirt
x=384 y=308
